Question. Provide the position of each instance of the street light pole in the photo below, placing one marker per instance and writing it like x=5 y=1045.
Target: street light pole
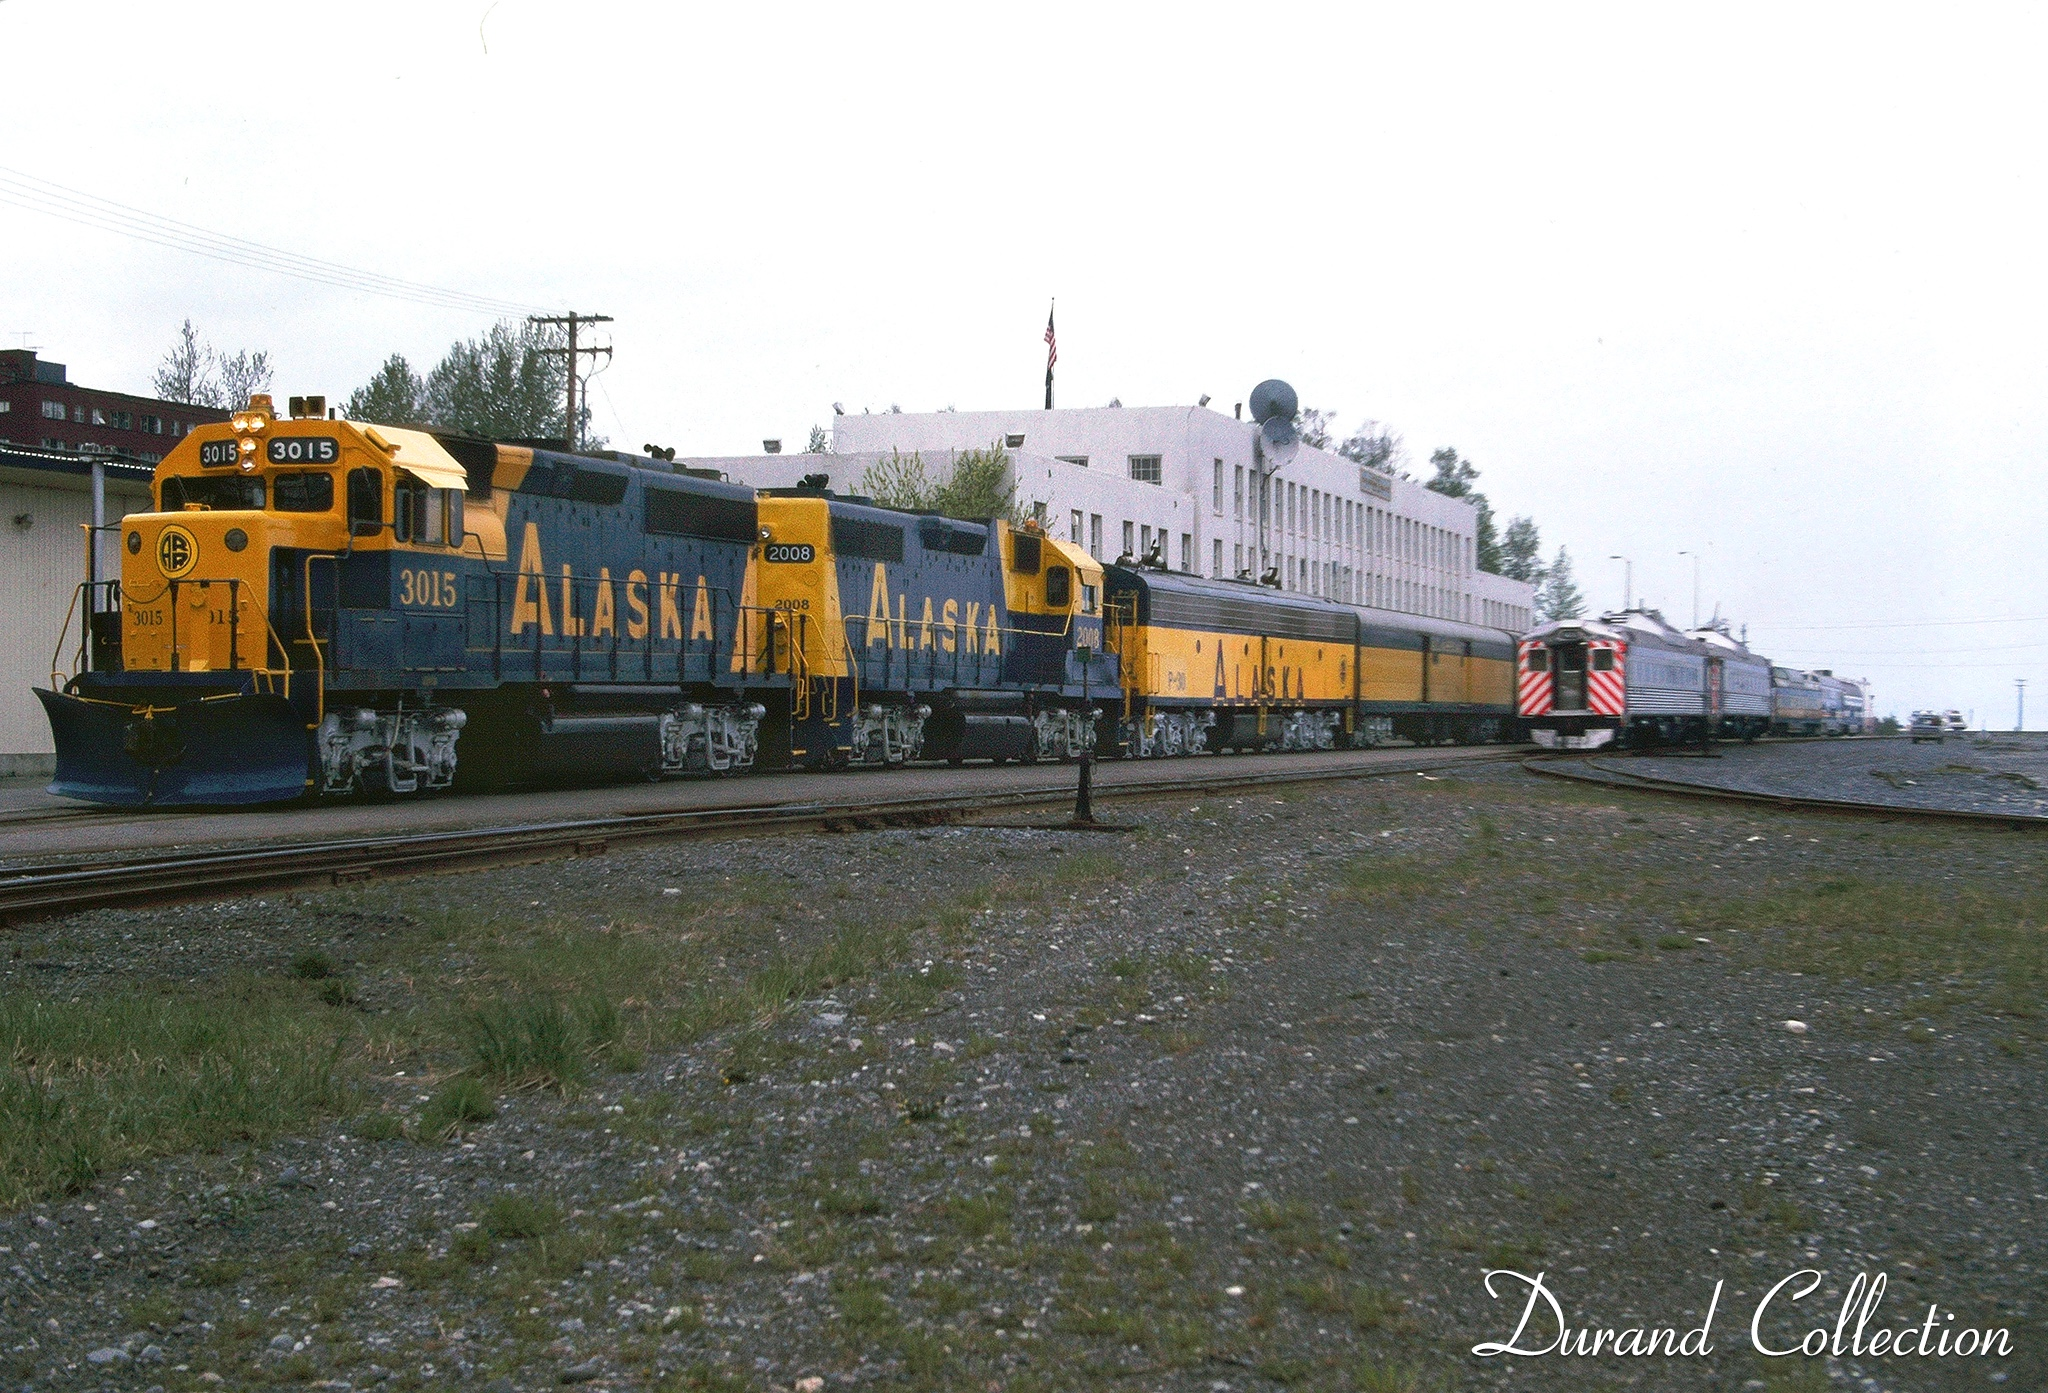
x=1628 y=579
x=1695 y=586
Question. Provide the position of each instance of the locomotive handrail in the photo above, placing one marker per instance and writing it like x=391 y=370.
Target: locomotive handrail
x=57 y=654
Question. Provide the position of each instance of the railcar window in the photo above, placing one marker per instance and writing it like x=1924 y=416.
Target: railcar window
x=219 y=493
x=304 y=493
x=365 y=501
x=1059 y=586
x=1025 y=554
x=1603 y=660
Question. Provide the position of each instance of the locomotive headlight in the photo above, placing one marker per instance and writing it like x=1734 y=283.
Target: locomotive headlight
x=248 y=447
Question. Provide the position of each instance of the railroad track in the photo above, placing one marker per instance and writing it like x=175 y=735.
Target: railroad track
x=64 y=887
x=1586 y=769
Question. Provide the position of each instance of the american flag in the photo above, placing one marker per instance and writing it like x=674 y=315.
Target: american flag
x=1052 y=355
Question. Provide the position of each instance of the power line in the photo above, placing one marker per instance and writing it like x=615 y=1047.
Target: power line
x=1914 y=653
x=1903 y=623
x=36 y=195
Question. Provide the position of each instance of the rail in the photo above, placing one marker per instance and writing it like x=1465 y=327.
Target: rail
x=32 y=891
x=1590 y=770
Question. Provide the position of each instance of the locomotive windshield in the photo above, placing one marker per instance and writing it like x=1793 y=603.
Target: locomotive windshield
x=304 y=493
x=218 y=492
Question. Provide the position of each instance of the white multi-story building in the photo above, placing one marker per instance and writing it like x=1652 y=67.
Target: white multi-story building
x=1183 y=483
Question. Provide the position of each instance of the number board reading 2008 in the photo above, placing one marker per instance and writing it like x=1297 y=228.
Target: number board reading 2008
x=802 y=553
x=304 y=449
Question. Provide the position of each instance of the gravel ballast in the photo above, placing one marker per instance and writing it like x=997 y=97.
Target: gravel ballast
x=1250 y=1096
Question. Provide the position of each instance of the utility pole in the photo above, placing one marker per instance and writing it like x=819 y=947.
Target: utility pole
x=1695 y=586
x=2021 y=723
x=1628 y=579
x=572 y=427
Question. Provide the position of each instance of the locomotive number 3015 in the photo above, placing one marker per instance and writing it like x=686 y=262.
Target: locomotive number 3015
x=431 y=589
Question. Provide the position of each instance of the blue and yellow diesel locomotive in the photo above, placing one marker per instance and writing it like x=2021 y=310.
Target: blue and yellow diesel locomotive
x=323 y=607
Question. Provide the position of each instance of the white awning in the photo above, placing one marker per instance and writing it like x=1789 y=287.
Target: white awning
x=421 y=456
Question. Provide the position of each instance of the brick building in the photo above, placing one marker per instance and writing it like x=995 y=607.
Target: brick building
x=42 y=410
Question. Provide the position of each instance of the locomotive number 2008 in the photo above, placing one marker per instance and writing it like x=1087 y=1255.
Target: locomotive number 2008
x=799 y=552
x=431 y=589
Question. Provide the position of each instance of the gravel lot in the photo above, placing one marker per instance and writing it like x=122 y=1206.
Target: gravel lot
x=1248 y=1097
x=1973 y=773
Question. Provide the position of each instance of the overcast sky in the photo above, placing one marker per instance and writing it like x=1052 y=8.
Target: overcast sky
x=1769 y=283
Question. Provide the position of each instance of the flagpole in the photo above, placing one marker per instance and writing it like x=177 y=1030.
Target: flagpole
x=1052 y=352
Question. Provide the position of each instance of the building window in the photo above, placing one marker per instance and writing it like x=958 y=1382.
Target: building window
x=153 y=425
x=51 y=442
x=1240 y=492
x=1074 y=527
x=1078 y=461
x=1095 y=535
x=1237 y=559
x=5 y=406
x=1130 y=538
x=1144 y=540
x=1145 y=468
x=1216 y=558
x=1187 y=551
x=53 y=411
x=77 y=415
x=120 y=420
x=1216 y=489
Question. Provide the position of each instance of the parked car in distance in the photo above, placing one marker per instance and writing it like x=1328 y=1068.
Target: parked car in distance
x=1928 y=725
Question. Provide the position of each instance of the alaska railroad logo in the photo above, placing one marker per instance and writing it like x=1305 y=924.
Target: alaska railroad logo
x=176 y=552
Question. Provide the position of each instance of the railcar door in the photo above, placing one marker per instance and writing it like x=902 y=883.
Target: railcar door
x=1571 y=677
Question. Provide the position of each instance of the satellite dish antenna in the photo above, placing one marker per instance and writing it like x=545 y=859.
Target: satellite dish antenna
x=1274 y=406
x=1274 y=398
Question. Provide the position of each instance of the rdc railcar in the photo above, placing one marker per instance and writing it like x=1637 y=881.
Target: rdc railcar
x=1631 y=678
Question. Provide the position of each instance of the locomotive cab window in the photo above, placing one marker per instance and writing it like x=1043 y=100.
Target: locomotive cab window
x=1059 y=587
x=1090 y=598
x=303 y=493
x=365 y=502
x=220 y=493
x=1603 y=660
x=429 y=515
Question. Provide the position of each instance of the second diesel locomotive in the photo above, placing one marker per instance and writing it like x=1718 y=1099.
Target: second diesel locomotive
x=323 y=607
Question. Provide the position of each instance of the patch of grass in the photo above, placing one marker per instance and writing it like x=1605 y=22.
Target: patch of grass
x=978 y=1216
x=525 y=1041
x=99 y=1083
x=1389 y=878
x=313 y=966
x=510 y=1217
x=1674 y=943
x=460 y=1104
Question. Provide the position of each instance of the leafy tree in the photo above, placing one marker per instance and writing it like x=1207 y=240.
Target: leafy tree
x=193 y=373
x=1314 y=426
x=242 y=376
x=900 y=481
x=502 y=386
x=979 y=487
x=394 y=396
x=1521 y=555
x=1558 y=597
x=1455 y=478
x=819 y=444
x=1374 y=445
x=185 y=374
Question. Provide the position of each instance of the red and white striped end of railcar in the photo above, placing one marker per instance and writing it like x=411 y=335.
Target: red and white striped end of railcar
x=1571 y=688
